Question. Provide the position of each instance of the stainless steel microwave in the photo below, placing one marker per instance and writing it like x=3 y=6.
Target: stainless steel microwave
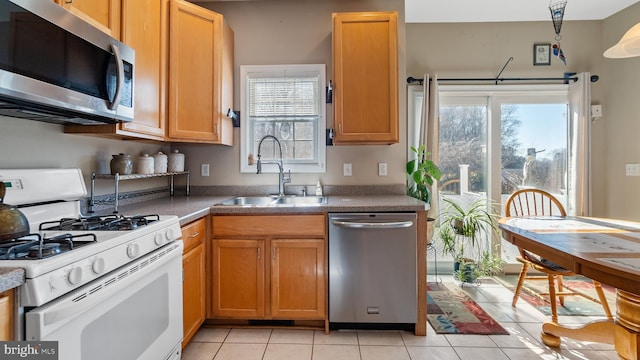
x=56 y=67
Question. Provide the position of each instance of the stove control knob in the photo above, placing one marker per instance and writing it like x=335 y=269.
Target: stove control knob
x=98 y=266
x=133 y=250
x=170 y=234
x=158 y=239
x=75 y=275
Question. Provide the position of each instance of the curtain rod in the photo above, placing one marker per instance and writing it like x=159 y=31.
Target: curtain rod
x=594 y=78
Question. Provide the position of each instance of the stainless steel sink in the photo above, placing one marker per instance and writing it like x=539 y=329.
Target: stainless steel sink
x=287 y=200
x=249 y=200
x=301 y=200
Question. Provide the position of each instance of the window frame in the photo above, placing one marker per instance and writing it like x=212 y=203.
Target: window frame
x=246 y=142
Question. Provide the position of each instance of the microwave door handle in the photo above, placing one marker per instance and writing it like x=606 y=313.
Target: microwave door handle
x=372 y=225
x=120 y=79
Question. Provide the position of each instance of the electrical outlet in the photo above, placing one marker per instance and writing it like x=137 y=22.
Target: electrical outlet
x=204 y=169
x=632 y=169
x=346 y=169
x=382 y=169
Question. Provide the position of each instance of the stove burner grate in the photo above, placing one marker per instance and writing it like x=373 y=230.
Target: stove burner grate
x=35 y=246
x=100 y=223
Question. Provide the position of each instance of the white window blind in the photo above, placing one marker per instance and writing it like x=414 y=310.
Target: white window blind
x=288 y=102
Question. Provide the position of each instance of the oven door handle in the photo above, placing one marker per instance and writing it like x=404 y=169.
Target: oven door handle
x=372 y=225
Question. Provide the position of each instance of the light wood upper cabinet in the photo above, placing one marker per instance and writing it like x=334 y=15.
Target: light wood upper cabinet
x=7 y=311
x=200 y=75
x=194 y=285
x=144 y=28
x=103 y=14
x=266 y=268
x=365 y=77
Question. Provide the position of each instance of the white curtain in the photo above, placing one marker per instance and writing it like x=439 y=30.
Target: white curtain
x=579 y=147
x=426 y=128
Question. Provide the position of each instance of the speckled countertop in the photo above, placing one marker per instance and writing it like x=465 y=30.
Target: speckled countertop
x=11 y=278
x=190 y=208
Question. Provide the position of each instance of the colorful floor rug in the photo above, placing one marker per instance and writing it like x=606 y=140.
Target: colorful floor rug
x=573 y=305
x=451 y=311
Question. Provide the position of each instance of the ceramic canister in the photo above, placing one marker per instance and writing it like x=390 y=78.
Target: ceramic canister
x=160 y=163
x=145 y=164
x=121 y=164
x=176 y=162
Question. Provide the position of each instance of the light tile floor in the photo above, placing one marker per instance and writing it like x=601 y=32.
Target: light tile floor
x=523 y=323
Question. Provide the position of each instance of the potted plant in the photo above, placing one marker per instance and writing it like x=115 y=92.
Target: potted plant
x=422 y=172
x=466 y=235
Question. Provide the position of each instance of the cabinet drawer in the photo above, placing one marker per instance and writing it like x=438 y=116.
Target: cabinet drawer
x=269 y=225
x=193 y=234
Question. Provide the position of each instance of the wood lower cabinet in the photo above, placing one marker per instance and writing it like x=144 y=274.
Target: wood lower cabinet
x=365 y=77
x=7 y=313
x=269 y=267
x=200 y=75
x=297 y=278
x=238 y=278
x=144 y=28
x=194 y=285
x=103 y=14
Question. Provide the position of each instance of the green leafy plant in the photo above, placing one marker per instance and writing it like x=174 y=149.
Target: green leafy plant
x=422 y=172
x=466 y=235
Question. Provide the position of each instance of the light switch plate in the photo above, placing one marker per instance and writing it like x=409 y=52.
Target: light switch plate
x=382 y=169
x=204 y=169
x=346 y=169
x=632 y=169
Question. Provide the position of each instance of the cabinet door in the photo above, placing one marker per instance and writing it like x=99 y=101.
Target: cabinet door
x=365 y=76
x=7 y=315
x=196 y=45
x=298 y=279
x=193 y=290
x=238 y=278
x=144 y=29
x=103 y=14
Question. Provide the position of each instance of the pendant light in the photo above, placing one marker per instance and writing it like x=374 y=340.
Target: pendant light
x=628 y=46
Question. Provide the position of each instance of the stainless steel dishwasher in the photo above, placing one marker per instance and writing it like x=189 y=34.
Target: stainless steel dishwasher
x=372 y=269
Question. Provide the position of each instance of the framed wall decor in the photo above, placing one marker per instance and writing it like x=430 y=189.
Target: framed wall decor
x=542 y=54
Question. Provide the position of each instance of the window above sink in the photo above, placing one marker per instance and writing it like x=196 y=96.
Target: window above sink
x=287 y=102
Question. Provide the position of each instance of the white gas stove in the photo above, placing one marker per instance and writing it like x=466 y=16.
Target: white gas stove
x=68 y=257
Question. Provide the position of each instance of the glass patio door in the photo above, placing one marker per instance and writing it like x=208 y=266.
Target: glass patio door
x=495 y=141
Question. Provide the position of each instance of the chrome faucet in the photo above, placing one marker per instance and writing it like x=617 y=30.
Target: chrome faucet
x=282 y=178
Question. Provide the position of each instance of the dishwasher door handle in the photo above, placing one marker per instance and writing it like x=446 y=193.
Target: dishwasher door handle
x=372 y=225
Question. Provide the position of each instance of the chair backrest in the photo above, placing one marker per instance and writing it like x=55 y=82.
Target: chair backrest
x=533 y=202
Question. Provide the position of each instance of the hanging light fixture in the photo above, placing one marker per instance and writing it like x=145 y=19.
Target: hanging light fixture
x=628 y=46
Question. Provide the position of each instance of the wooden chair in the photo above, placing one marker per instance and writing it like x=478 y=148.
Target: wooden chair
x=535 y=202
x=450 y=187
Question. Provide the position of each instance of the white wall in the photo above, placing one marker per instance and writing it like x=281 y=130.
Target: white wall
x=621 y=122
x=33 y=144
